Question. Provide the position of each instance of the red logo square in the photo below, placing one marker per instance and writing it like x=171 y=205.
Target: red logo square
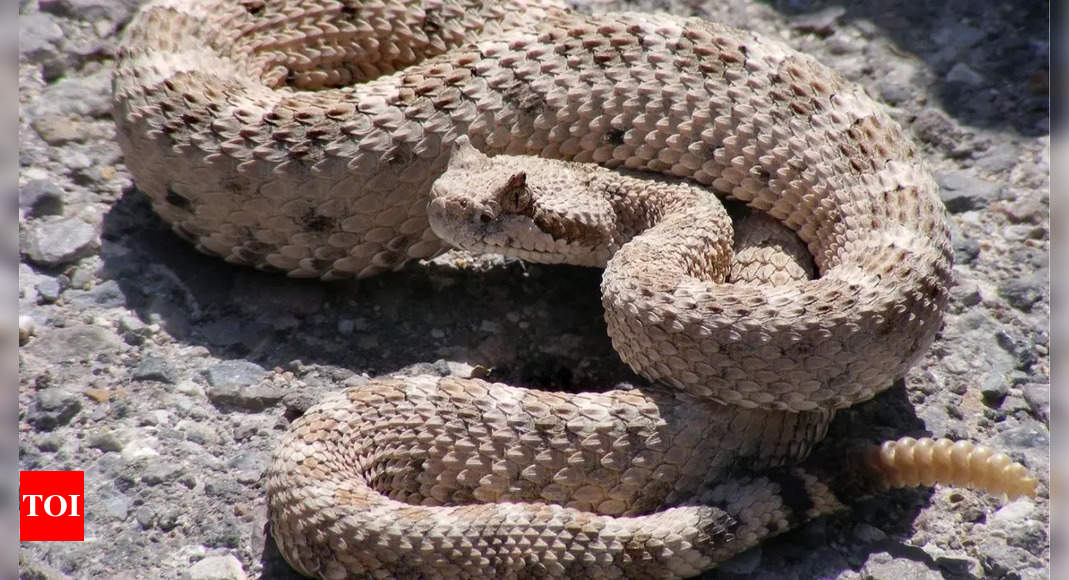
x=51 y=506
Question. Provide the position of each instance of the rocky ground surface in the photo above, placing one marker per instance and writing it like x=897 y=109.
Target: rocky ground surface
x=167 y=376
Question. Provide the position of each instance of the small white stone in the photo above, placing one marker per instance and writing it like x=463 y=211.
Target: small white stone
x=189 y=387
x=26 y=329
x=139 y=449
x=217 y=568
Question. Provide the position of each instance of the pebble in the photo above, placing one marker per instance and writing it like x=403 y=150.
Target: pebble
x=26 y=329
x=48 y=290
x=217 y=568
x=160 y=471
x=111 y=440
x=39 y=37
x=145 y=516
x=138 y=449
x=961 y=191
x=57 y=130
x=54 y=407
x=869 y=534
x=1023 y=292
x=1000 y=559
x=1027 y=209
x=80 y=97
x=116 y=504
x=107 y=294
x=898 y=86
x=153 y=368
x=56 y=242
x=966 y=292
x=822 y=22
x=238 y=373
x=91 y=10
x=1038 y=397
x=40 y=197
x=74 y=343
x=1028 y=435
x=1000 y=158
x=238 y=384
x=884 y=565
x=963 y=73
x=935 y=127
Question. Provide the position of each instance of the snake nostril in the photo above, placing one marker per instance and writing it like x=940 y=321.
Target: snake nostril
x=484 y=217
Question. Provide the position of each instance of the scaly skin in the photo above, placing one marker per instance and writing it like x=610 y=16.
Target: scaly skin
x=306 y=137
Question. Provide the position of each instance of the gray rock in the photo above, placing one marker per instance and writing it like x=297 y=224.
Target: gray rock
x=107 y=294
x=966 y=292
x=167 y=518
x=76 y=97
x=869 y=534
x=110 y=440
x=822 y=22
x=966 y=250
x=1038 y=397
x=76 y=162
x=39 y=37
x=935 y=127
x=884 y=565
x=153 y=368
x=1017 y=523
x=961 y=191
x=116 y=505
x=58 y=130
x=1027 y=208
x=1000 y=559
x=1023 y=293
x=1028 y=435
x=963 y=73
x=217 y=568
x=39 y=571
x=960 y=567
x=1013 y=404
x=248 y=466
x=994 y=390
x=145 y=516
x=140 y=449
x=238 y=384
x=53 y=408
x=57 y=242
x=40 y=197
x=48 y=290
x=160 y=471
x=117 y=11
x=74 y=343
x=237 y=373
x=202 y=434
x=1001 y=157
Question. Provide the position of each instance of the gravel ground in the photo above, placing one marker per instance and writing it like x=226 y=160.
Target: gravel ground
x=167 y=375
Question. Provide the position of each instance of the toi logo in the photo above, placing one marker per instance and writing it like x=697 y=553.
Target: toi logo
x=51 y=506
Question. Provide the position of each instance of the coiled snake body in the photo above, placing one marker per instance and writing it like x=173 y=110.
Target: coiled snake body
x=306 y=136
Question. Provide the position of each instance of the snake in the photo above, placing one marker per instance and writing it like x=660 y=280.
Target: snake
x=345 y=138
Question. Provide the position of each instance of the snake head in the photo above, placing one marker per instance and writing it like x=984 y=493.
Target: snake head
x=531 y=208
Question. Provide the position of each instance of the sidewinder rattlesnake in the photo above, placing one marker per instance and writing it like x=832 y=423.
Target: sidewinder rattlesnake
x=305 y=136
